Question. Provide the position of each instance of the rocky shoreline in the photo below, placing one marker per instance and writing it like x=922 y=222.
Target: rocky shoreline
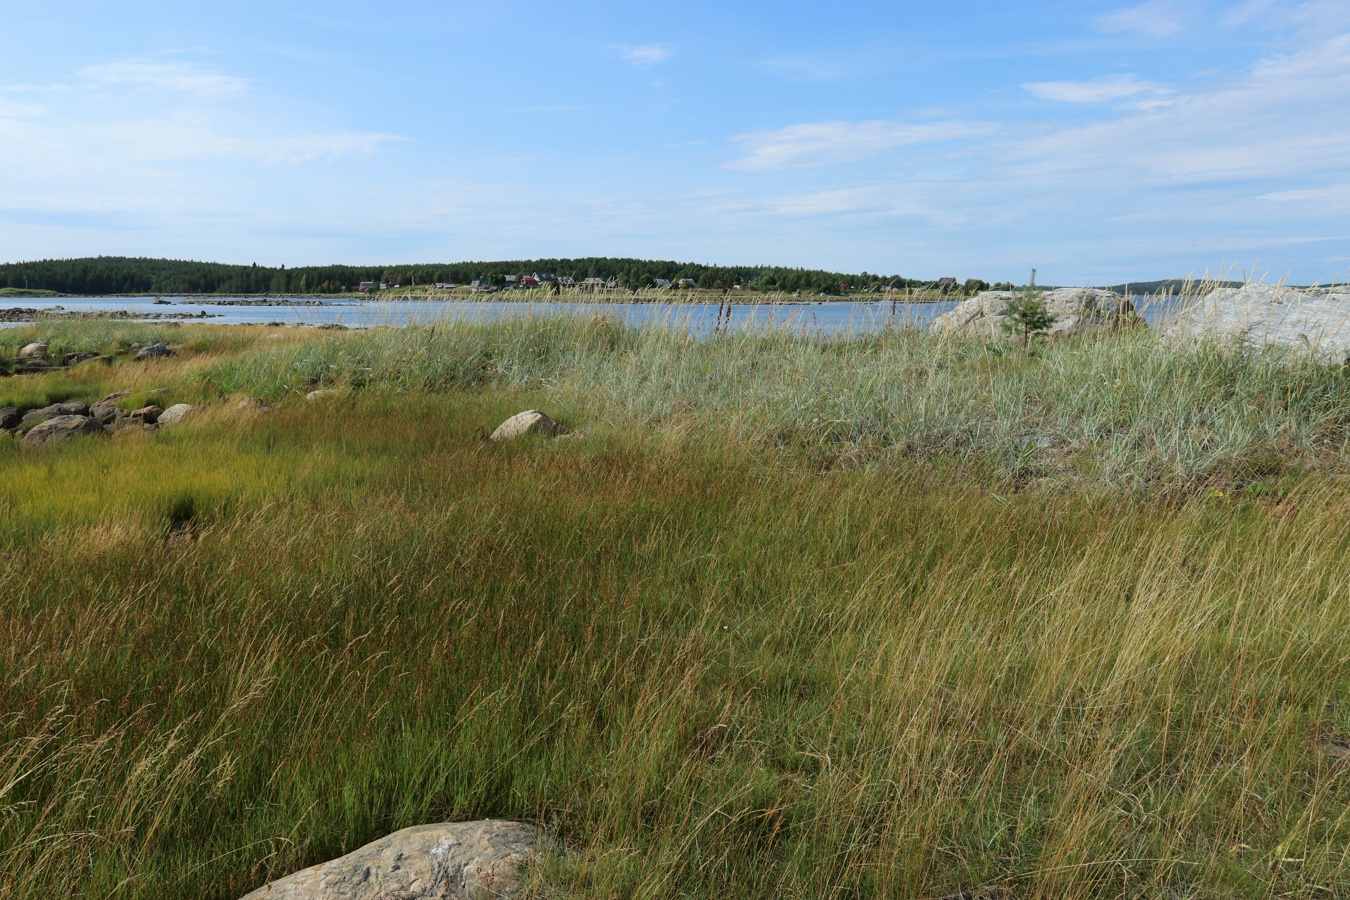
x=58 y=313
x=268 y=301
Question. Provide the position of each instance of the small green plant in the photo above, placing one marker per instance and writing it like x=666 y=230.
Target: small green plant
x=1026 y=314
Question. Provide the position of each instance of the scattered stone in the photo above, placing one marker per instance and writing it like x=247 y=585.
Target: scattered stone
x=62 y=428
x=531 y=421
x=254 y=406
x=154 y=351
x=173 y=415
x=125 y=425
x=35 y=350
x=275 y=325
x=1035 y=442
x=146 y=415
x=332 y=326
x=1076 y=311
x=105 y=360
x=111 y=399
x=426 y=862
x=9 y=418
x=320 y=393
x=1308 y=322
x=107 y=415
x=71 y=408
x=275 y=337
x=159 y=301
x=36 y=364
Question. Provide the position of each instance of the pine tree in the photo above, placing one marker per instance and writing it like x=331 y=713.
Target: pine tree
x=1026 y=314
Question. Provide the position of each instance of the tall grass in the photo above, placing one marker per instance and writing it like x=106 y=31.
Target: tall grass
x=1117 y=410
x=247 y=644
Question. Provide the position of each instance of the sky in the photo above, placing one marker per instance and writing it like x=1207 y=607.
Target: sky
x=1097 y=142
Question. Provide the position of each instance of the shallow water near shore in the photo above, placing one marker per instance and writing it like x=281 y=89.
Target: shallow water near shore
x=825 y=317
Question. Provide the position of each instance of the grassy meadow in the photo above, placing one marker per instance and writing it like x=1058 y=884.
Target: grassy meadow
x=882 y=615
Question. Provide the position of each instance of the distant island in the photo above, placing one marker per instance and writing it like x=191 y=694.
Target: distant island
x=116 y=275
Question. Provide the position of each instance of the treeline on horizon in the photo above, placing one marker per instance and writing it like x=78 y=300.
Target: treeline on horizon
x=126 y=275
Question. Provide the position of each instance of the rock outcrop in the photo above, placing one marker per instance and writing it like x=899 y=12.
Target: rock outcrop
x=426 y=862
x=531 y=421
x=1076 y=311
x=35 y=350
x=1308 y=322
x=62 y=428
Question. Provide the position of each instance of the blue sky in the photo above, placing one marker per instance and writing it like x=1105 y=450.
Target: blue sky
x=1095 y=141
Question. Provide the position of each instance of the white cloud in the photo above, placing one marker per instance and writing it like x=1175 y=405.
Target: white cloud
x=1247 y=12
x=644 y=55
x=1098 y=90
x=826 y=143
x=1337 y=194
x=1156 y=18
x=171 y=76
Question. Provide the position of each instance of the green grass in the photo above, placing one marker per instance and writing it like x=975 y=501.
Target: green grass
x=738 y=639
x=25 y=292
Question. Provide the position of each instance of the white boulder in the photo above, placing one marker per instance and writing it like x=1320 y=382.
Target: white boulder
x=1308 y=322
x=174 y=414
x=1076 y=310
x=531 y=421
x=426 y=862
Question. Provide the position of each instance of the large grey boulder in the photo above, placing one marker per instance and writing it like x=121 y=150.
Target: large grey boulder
x=154 y=351
x=1076 y=311
x=531 y=421
x=1309 y=322
x=9 y=418
x=174 y=414
x=70 y=408
x=62 y=428
x=426 y=862
x=34 y=350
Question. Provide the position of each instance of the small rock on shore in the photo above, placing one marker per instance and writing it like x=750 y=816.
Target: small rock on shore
x=531 y=421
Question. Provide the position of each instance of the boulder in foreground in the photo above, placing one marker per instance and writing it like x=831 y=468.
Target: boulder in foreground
x=531 y=421
x=426 y=862
x=1309 y=322
x=62 y=428
x=1076 y=311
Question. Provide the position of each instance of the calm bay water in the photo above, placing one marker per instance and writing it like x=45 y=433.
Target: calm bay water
x=822 y=318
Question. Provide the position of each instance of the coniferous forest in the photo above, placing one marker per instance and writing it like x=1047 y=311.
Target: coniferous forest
x=103 y=275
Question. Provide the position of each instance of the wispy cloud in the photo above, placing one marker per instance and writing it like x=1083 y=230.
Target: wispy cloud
x=1156 y=18
x=826 y=143
x=184 y=78
x=643 y=55
x=1247 y=12
x=1338 y=194
x=814 y=67
x=1097 y=90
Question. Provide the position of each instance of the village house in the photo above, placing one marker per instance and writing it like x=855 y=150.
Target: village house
x=661 y=284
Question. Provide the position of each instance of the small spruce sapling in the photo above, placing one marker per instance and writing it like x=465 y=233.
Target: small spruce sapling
x=1026 y=314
